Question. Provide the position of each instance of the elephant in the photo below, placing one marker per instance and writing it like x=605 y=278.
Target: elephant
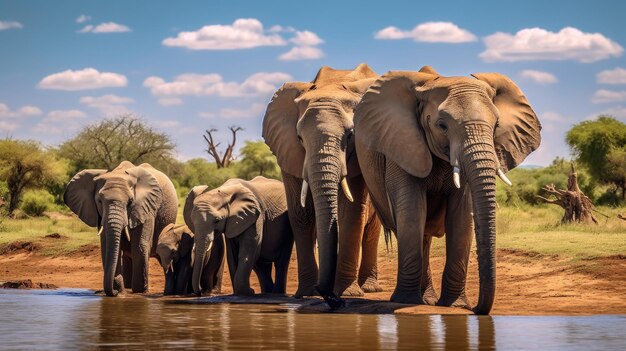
x=430 y=148
x=175 y=253
x=308 y=126
x=253 y=217
x=138 y=201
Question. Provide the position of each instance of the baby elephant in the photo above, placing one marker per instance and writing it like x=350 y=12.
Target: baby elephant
x=175 y=252
x=253 y=217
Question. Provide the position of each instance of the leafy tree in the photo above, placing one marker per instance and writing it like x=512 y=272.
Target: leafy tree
x=600 y=145
x=109 y=142
x=257 y=159
x=25 y=165
x=199 y=171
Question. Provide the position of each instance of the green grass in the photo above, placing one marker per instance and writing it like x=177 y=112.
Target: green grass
x=535 y=230
x=74 y=233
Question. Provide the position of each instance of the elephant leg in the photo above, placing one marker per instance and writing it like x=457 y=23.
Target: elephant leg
x=428 y=290
x=232 y=252
x=368 y=272
x=141 y=244
x=263 y=271
x=302 y=220
x=249 y=249
x=353 y=217
x=282 y=266
x=458 y=243
x=127 y=270
x=408 y=203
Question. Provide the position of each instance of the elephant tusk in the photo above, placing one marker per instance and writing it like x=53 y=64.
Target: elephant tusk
x=456 y=177
x=100 y=231
x=127 y=233
x=209 y=247
x=504 y=178
x=346 y=189
x=305 y=190
x=170 y=268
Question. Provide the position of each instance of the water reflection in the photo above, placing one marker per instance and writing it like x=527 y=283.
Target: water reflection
x=71 y=320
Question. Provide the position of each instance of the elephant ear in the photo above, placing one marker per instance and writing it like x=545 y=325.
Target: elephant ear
x=148 y=196
x=518 y=132
x=279 y=128
x=186 y=242
x=244 y=210
x=193 y=193
x=79 y=195
x=386 y=121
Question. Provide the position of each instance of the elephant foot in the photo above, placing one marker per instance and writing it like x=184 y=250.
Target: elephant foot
x=460 y=302
x=306 y=291
x=407 y=296
x=332 y=300
x=352 y=290
x=371 y=285
x=245 y=292
x=430 y=296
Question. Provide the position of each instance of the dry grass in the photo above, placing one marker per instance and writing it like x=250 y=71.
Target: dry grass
x=532 y=230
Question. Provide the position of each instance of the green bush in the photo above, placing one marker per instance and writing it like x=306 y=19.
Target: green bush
x=36 y=202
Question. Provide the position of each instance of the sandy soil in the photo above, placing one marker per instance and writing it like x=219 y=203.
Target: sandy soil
x=527 y=285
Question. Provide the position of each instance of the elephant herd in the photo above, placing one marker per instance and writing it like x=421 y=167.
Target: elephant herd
x=416 y=153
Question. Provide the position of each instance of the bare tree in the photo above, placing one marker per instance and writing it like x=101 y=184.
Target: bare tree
x=221 y=160
x=577 y=206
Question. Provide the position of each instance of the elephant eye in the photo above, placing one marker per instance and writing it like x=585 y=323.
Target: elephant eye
x=441 y=125
x=300 y=139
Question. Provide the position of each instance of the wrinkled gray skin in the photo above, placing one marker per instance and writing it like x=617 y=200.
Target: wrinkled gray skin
x=413 y=129
x=138 y=198
x=252 y=215
x=175 y=253
x=308 y=126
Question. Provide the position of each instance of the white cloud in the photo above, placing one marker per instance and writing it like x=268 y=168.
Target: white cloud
x=24 y=111
x=59 y=121
x=430 y=32
x=172 y=101
x=243 y=33
x=306 y=38
x=108 y=104
x=302 y=53
x=254 y=111
x=603 y=96
x=213 y=84
x=278 y=28
x=83 y=19
x=539 y=44
x=612 y=76
x=8 y=126
x=539 y=77
x=107 y=27
x=87 y=78
x=4 y=25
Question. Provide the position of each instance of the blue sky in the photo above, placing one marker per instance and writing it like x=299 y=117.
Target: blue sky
x=188 y=66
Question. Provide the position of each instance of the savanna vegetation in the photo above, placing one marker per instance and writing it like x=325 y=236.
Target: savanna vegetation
x=33 y=177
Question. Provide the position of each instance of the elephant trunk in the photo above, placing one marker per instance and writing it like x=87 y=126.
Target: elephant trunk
x=325 y=170
x=170 y=282
x=114 y=223
x=201 y=256
x=480 y=167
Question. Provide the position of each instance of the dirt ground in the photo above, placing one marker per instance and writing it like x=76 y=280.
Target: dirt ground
x=527 y=285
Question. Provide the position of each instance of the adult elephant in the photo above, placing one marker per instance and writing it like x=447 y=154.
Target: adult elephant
x=308 y=126
x=430 y=148
x=137 y=200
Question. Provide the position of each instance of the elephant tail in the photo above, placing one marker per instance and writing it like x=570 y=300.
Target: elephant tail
x=388 y=239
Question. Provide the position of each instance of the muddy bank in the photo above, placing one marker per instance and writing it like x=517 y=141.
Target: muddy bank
x=527 y=285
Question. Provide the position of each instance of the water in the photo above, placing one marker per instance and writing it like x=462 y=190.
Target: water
x=77 y=319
